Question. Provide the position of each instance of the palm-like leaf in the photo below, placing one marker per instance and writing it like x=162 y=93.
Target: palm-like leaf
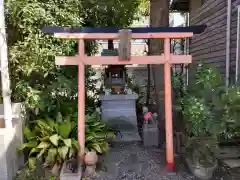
x=51 y=140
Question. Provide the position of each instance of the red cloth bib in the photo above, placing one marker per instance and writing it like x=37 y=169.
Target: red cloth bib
x=148 y=116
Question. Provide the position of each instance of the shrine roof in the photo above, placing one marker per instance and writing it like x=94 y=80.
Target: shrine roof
x=191 y=29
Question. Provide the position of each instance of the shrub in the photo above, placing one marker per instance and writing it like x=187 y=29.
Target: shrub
x=97 y=134
x=50 y=141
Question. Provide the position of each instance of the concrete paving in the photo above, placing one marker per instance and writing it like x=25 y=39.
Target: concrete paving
x=131 y=161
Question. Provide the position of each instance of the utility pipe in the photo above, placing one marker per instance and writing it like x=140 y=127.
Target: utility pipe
x=237 y=48
x=187 y=49
x=228 y=36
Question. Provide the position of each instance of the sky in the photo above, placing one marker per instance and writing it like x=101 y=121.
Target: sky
x=177 y=18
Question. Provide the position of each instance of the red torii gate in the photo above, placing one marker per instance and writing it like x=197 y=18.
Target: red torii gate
x=167 y=59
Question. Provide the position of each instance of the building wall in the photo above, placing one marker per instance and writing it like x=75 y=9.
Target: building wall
x=210 y=46
x=11 y=160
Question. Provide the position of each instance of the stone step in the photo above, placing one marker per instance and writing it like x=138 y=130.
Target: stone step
x=229 y=156
x=228 y=153
x=127 y=137
x=65 y=174
x=232 y=163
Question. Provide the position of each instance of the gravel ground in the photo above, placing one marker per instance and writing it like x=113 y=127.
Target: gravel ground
x=131 y=161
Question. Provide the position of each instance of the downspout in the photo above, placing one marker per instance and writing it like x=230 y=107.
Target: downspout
x=187 y=47
x=228 y=39
x=237 y=48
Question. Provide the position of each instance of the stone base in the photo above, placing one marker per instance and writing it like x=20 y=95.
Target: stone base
x=90 y=170
x=150 y=135
x=119 y=112
x=127 y=137
x=65 y=175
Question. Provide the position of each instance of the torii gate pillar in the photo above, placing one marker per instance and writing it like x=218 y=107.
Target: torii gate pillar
x=81 y=100
x=168 y=106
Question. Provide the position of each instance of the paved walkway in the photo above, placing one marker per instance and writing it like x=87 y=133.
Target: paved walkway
x=131 y=161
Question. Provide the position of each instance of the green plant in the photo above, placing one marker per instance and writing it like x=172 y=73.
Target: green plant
x=207 y=77
x=199 y=102
x=202 y=130
x=198 y=108
x=206 y=82
x=44 y=87
x=198 y=117
x=37 y=173
x=211 y=112
x=179 y=90
x=97 y=134
x=50 y=141
x=227 y=110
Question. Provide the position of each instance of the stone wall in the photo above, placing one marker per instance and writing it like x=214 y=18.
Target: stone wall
x=10 y=140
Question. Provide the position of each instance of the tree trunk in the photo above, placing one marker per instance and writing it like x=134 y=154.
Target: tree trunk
x=148 y=78
x=159 y=17
x=6 y=92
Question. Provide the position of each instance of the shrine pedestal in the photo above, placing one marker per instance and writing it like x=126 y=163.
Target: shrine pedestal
x=119 y=112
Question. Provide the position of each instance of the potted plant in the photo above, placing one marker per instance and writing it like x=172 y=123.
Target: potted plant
x=202 y=124
x=97 y=136
x=202 y=139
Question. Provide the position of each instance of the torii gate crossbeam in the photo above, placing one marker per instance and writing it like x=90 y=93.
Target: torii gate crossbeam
x=167 y=59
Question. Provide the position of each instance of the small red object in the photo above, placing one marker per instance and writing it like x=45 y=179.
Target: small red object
x=148 y=116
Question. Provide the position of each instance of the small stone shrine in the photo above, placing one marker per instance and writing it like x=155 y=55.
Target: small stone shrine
x=118 y=102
